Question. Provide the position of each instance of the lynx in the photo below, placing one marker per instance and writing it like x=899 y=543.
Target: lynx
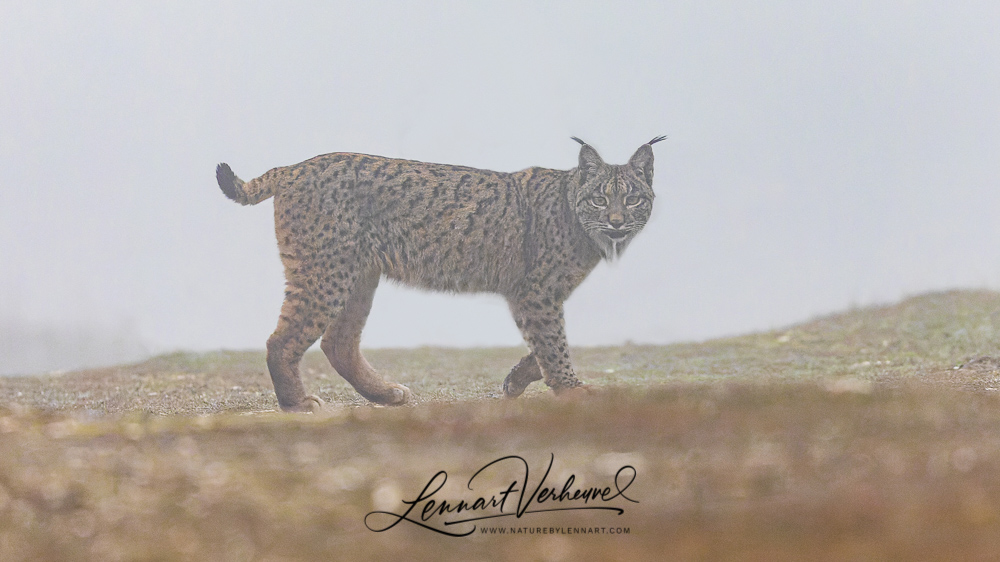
x=343 y=221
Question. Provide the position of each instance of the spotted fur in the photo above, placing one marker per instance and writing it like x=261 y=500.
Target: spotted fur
x=344 y=220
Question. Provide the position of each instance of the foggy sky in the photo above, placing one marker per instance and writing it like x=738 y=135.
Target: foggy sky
x=818 y=157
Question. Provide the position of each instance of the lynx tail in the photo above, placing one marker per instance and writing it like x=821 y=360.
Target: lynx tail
x=244 y=193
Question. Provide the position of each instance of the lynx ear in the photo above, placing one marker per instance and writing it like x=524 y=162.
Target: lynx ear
x=590 y=161
x=642 y=160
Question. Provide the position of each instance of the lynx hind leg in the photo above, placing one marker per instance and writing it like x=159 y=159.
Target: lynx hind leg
x=524 y=373
x=342 y=346
x=299 y=326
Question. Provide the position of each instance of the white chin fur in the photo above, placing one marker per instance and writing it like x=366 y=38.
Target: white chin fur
x=610 y=249
x=615 y=253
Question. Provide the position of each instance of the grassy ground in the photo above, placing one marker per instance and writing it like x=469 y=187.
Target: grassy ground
x=869 y=435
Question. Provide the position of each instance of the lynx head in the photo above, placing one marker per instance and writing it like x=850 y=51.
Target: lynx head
x=613 y=202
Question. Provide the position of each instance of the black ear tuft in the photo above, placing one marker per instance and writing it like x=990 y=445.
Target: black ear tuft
x=656 y=140
x=577 y=139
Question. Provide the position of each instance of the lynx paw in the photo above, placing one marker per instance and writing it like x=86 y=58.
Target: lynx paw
x=573 y=393
x=311 y=404
x=514 y=386
x=397 y=395
x=314 y=403
x=523 y=374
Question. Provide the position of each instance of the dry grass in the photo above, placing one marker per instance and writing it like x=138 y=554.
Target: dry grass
x=870 y=435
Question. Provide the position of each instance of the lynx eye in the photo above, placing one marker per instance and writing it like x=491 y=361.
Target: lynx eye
x=633 y=200
x=599 y=201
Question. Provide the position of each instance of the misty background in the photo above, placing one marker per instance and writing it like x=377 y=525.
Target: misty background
x=820 y=156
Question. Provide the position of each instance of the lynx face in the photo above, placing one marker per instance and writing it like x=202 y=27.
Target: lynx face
x=613 y=203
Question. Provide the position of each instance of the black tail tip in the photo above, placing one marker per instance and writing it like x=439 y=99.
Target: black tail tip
x=227 y=180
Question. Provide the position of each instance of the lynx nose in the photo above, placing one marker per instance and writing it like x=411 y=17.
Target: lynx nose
x=616 y=220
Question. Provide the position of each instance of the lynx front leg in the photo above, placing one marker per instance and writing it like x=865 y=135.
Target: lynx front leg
x=543 y=330
x=342 y=341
